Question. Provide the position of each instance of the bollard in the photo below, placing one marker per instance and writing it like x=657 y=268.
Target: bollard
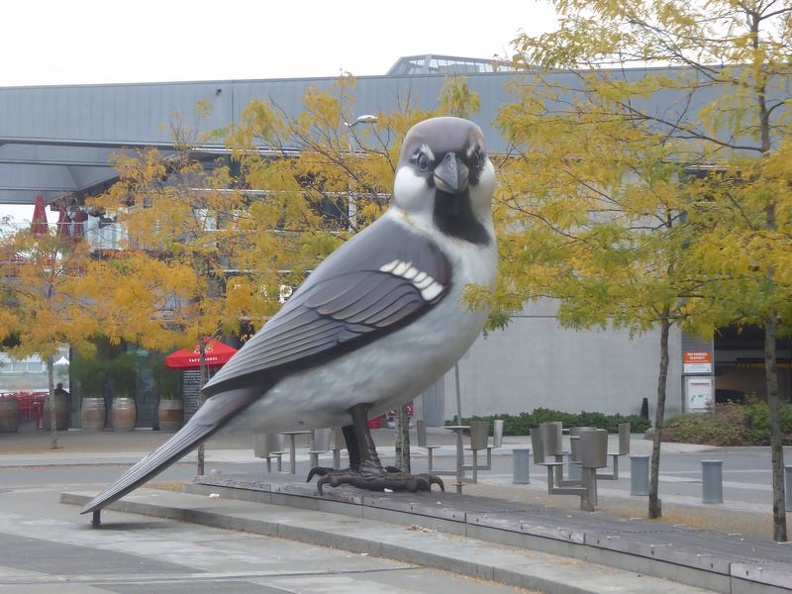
x=712 y=481
x=788 y=488
x=522 y=466
x=639 y=475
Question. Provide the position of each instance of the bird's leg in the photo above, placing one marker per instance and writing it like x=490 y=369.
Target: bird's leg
x=370 y=474
x=353 y=451
x=355 y=446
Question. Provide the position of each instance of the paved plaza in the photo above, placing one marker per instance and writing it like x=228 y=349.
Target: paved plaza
x=192 y=556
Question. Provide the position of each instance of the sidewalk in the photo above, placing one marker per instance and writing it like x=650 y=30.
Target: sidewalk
x=32 y=448
x=726 y=541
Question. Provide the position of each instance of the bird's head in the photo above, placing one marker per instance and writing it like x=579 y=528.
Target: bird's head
x=445 y=179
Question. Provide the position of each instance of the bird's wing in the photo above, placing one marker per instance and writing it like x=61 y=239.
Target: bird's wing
x=377 y=282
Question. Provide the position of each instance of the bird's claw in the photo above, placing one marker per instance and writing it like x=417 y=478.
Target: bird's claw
x=392 y=481
x=319 y=471
x=325 y=470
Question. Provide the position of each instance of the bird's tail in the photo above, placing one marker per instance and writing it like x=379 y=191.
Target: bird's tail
x=190 y=436
x=215 y=412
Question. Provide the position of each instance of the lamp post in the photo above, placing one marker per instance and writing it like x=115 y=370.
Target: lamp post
x=363 y=119
x=352 y=201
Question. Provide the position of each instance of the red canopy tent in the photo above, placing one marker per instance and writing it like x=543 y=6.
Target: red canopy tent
x=38 y=224
x=217 y=354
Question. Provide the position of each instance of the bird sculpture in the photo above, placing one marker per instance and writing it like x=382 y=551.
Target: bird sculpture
x=375 y=324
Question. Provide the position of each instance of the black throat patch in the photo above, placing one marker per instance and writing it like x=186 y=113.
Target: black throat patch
x=454 y=216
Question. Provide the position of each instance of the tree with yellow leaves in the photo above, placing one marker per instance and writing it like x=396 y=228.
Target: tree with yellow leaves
x=649 y=143
x=48 y=300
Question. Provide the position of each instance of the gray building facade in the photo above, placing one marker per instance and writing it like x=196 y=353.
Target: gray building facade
x=57 y=141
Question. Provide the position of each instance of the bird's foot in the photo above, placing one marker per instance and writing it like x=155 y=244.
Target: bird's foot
x=375 y=481
x=325 y=470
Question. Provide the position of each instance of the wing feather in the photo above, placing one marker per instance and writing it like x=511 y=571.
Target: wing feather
x=377 y=282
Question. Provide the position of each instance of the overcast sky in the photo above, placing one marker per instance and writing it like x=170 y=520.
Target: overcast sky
x=96 y=41
x=53 y=42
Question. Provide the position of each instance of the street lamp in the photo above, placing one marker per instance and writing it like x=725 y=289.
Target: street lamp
x=352 y=201
x=364 y=119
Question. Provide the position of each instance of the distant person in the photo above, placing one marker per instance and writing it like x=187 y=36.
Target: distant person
x=61 y=391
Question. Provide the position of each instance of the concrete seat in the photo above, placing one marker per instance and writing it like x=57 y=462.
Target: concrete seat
x=319 y=444
x=269 y=446
x=422 y=441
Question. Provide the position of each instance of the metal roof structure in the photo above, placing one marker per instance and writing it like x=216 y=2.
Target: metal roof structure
x=58 y=141
x=438 y=64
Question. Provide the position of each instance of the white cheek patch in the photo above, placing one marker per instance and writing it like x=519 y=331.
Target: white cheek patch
x=422 y=281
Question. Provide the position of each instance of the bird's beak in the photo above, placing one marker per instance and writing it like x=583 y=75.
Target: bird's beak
x=451 y=175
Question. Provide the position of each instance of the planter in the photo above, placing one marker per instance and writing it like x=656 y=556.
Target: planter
x=62 y=413
x=9 y=415
x=92 y=414
x=124 y=414
x=170 y=414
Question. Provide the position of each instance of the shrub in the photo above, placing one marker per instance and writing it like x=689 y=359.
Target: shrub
x=522 y=423
x=728 y=425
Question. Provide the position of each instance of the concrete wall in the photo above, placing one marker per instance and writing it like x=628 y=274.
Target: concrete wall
x=535 y=363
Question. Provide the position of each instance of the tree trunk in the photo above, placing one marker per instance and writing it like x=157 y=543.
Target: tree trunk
x=655 y=505
x=402 y=439
x=776 y=439
x=53 y=416
x=771 y=327
x=202 y=380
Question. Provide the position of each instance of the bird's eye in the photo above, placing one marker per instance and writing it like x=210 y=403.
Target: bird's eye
x=422 y=161
x=478 y=159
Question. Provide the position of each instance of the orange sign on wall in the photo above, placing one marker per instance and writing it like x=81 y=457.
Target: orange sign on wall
x=697 y=357
x=697 y=362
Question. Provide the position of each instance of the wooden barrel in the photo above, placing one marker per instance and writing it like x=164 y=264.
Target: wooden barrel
x=124 y=414
x=170 y=414
x=62 y=413
x=9 y=415
x=92 y=413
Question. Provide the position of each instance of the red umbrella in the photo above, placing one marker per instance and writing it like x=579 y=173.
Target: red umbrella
x=38 y=225
x=64 y=223
x=217 y=354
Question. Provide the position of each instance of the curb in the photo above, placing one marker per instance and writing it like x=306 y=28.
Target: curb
x=413 y=544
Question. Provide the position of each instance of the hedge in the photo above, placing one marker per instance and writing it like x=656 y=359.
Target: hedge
x=729 y=425
x=522 y=423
